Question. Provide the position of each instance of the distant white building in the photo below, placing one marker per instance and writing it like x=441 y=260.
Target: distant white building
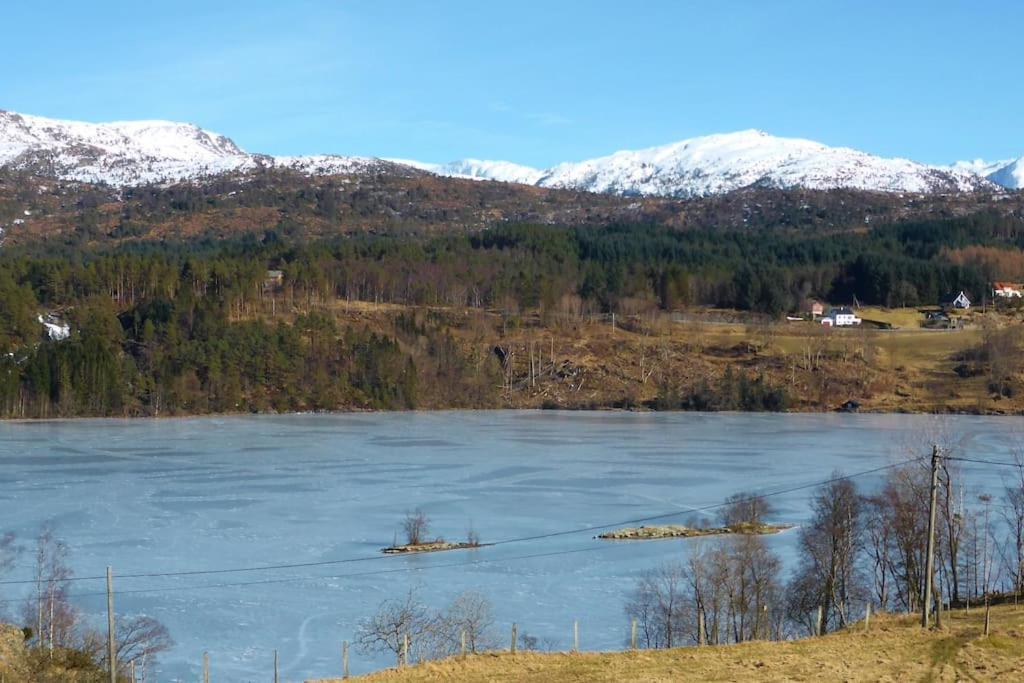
x=841 y=317
x=1007 y=290
x=958 y=300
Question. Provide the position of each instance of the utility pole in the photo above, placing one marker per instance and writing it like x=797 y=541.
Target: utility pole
x=929 y=575
x=111 y=650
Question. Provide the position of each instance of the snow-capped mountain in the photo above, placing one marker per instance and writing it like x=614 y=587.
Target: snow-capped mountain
x=719 y=163
x=140 y=152
x=479 y=169
x=1008 y=173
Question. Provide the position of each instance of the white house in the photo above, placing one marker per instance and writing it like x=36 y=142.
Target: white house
x=840 y=317
x=959 y=300
x=1007 y=290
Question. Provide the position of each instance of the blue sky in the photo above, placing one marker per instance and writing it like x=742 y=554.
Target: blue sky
x=533 y=82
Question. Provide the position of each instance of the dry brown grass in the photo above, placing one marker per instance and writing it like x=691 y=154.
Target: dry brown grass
x=585 y=363
x=666 y=531
x=895 y=649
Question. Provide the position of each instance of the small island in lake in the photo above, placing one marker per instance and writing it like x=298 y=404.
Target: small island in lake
x=646 y=533
x=430 y=547
x=416 y=527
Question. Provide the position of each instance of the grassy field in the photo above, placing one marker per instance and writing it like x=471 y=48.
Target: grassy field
x=587 y=362
x=895 y=649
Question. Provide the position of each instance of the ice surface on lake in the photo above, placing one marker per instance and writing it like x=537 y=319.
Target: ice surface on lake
x=210 y=493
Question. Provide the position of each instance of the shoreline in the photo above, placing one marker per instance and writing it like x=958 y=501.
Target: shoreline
x=521 y=409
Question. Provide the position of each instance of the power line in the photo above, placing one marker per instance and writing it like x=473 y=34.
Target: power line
x=175 y=589
x=984 y=462
x=507 y=541
x=708 y=508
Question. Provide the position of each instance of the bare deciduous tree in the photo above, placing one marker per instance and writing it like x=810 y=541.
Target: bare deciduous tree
x=138 y=641
x=658 y=603
x=386 y=630
x=1013 y=514
x=431 y=634
x=416 y=527
x=745 y=508
x=830 y=545
x=53 y=616
x=733 y=583
x=470 y=613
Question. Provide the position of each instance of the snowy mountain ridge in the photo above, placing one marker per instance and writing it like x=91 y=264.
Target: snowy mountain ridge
x=127 y=153
x=715 y=164
x=141 y=152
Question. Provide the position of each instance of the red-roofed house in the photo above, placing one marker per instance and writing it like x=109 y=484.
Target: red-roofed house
x=1007 y=290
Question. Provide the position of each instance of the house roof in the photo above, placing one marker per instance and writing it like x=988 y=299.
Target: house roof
x=1006 y=285
x=842 y=310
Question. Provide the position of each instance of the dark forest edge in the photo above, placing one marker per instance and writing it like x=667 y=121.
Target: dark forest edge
x=179 y=329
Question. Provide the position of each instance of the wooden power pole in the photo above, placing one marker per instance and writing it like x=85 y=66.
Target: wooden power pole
x=111 y=649
x=930 y=558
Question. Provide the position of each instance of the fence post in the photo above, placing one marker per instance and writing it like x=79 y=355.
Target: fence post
x=463 y=643
x=275 y=667
x=820 y=622
x=986 y=616
x=344 y=660
x=206 y=667
x=405 y=650
x=514 y=638
x=867 y=616
x=702 y=637
x=576 y=636
x=632 y=635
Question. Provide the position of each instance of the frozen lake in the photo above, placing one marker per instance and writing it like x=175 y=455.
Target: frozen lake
x=149 y=496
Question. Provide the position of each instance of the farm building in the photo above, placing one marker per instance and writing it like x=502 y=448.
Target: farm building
x=841 y=317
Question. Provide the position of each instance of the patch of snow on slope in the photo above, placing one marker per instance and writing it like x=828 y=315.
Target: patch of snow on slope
x=55 y=328
x=330 y=164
